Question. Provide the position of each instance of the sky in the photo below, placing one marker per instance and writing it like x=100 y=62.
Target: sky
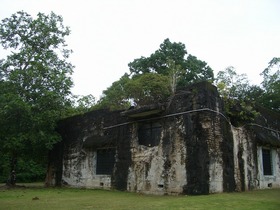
x=108 y=34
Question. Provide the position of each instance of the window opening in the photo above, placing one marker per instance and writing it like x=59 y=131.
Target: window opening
x=149 y=134
x=267 y=162
x=105 y=161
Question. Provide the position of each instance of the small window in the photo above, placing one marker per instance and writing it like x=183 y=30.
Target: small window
x=267 y=162
x=105 y=161
x=149 y=134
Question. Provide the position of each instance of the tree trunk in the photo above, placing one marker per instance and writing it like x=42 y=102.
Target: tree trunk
x=12 y=177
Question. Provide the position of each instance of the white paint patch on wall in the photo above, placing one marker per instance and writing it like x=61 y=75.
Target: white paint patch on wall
x=146 y=169
x=215 y=176
x=79 y=170
x=148 y=174
x=236 y=142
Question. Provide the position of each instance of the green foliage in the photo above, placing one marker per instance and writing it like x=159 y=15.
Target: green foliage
x=196 y=71
x=152 y=79
x=139 y=90
x=238 y=95
x=115 y=97
x=81 y=104
x=5 y=167
x=240 y=112
x=271 y=85
x=30 y=171
x=14 y=121
x=157 y=62
x=271 y=74
x=192 y=69
x=35 y=83
x=232 y=85
x=148 y=88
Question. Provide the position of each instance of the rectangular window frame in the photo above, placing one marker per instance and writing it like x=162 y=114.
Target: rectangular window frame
x=267 y=162
x=105 y=161
x=149 y=133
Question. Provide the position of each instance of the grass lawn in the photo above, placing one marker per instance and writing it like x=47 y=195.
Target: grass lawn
x=37 y=197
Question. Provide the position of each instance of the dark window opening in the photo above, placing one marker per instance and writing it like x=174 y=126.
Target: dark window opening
x=267 y=162
x=160 y=186
x=149 y=134
x=105 y=161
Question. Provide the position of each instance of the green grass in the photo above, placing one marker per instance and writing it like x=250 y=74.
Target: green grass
x=65 y=198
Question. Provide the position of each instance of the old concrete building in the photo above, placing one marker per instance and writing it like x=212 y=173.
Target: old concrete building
x=184 y=146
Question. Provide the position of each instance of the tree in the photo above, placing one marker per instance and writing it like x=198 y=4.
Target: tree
x=196 y=71
x=175 y=72
x=192 y=69
x=238 y=95
x=138 y=91
x=152 y=79
x=148 y=88
x=157 y=62
x=115 y=97
x=35 y=83
x=14 y=123
x=232 y=85
x=81 y=104
x=271 y=85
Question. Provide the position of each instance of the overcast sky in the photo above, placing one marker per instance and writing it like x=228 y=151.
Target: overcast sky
x=108 y=34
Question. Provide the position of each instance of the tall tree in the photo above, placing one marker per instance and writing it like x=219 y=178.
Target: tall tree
x=232 y=85
x=36 y=82
x=192 y=69
x=196 y=71
x=157 y=62
x=238 y=95
x=271 y=85
x=154 y=78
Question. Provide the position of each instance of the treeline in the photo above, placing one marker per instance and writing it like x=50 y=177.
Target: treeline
x=35 y=83
x=154 y=78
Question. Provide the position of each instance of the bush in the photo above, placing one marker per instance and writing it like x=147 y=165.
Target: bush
x=30 y=171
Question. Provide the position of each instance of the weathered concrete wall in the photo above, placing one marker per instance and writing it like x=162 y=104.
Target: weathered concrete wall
x=160 y=169
x=79 y=169
x=185 y=146
x=248 y=162
x=195 y=152
x=245 y=160
x=73 y=161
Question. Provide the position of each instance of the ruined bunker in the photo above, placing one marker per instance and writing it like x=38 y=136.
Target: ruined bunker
x=186 y=145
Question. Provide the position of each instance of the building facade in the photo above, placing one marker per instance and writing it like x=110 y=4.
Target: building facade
x=186 y=145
